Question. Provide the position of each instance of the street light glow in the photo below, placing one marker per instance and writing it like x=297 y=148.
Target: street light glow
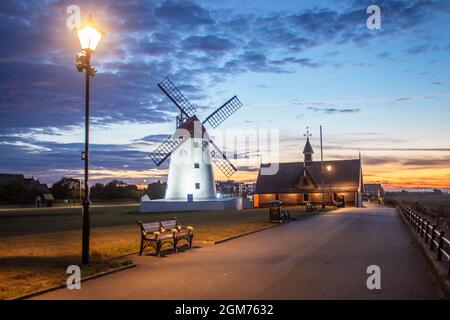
x=329 y=168
x=89 y=36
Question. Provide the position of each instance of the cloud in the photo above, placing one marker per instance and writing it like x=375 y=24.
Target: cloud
x=334 y=110
x=192 y=43
x=208 y=44
x=306 y=62
x=426 y=162
x=33 y=157
x=153 y=138
x=417 y=50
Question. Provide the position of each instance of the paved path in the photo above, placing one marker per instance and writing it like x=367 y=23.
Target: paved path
x=320 y=257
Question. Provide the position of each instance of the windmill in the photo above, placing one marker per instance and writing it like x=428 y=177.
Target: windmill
x=191 y=150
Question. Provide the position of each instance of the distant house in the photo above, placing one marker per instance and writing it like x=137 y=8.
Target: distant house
x=374 y=190
x=29 y=192
x=305 y=181
x=231 y=188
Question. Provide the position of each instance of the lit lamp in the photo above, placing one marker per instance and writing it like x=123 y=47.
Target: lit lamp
x=89 y=38
x=329 y=168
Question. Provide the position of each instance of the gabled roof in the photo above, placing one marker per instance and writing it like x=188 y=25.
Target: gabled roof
x=308 y=148
x=344 y=176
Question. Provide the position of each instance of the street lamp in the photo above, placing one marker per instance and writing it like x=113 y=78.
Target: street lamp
x=89 y=38
x=329 y=168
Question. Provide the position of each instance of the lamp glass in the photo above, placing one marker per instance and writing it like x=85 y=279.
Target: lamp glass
x=89 y=38
x=329 y=168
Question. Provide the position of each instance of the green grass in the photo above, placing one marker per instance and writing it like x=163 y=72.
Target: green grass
x=36 y=246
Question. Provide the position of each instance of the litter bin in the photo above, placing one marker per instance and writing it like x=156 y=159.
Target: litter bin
x=275 y=211
x=340 y=202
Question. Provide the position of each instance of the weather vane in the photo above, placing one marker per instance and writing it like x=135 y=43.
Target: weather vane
x=307 y=134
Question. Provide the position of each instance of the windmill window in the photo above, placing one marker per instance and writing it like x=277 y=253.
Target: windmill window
x=195 y=144
x=196 y=165
x=197 y=186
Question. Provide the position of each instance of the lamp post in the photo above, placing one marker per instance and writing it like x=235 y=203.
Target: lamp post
x=89 y=38
x=329 y=168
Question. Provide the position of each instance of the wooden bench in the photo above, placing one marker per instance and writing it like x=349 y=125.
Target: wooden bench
x=178 y=232
x=285 y=216
x=152 y=236
x=310 y=207
x=155 y=234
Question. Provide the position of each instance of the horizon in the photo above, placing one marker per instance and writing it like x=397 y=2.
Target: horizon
x=384 y=93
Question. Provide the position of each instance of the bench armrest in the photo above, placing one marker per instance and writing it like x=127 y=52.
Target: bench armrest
x=156 y=233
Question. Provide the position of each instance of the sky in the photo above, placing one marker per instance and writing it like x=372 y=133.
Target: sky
x=382 y=93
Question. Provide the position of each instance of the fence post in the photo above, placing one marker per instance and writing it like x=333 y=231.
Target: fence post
x=440 y=245
x=426 y=231
x=422 y=227
x=433 y=227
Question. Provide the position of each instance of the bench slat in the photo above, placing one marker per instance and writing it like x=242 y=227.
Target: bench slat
x=169 y=224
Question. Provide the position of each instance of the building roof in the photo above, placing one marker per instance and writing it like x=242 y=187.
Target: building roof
x=308 y=148
x=345 y=175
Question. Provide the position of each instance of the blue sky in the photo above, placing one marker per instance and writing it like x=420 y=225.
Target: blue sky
x=293 y=64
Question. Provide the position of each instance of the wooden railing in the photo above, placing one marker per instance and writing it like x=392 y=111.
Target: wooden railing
x=429 y=232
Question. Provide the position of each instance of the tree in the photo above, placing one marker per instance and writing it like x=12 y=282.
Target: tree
x=156 y=190
x=66 y=188
x=97 y=191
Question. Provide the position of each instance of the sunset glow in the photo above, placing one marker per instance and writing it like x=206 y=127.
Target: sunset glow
x=384 y=94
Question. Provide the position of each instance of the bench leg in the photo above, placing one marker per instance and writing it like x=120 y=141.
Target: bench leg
x=158 y=249
x=175 y=241
x=190 y=241
x=142 y=247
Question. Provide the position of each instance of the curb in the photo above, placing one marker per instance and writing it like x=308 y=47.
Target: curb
x=262 y=229
x=245 y=234
x=94 y=276
x=438 y=274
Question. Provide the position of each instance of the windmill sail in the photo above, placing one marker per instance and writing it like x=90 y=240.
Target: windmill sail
x=165 y=149
x=177 y=97
x=219 y=158
x=223 y=112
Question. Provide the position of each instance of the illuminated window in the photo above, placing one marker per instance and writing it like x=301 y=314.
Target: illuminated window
x=196 y=165
x=197 y=186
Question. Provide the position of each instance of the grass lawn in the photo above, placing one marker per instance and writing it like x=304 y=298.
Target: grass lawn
x=435 y=207
x=37 y=246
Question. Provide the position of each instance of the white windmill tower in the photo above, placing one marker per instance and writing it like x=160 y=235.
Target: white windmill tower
x=192 y=151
